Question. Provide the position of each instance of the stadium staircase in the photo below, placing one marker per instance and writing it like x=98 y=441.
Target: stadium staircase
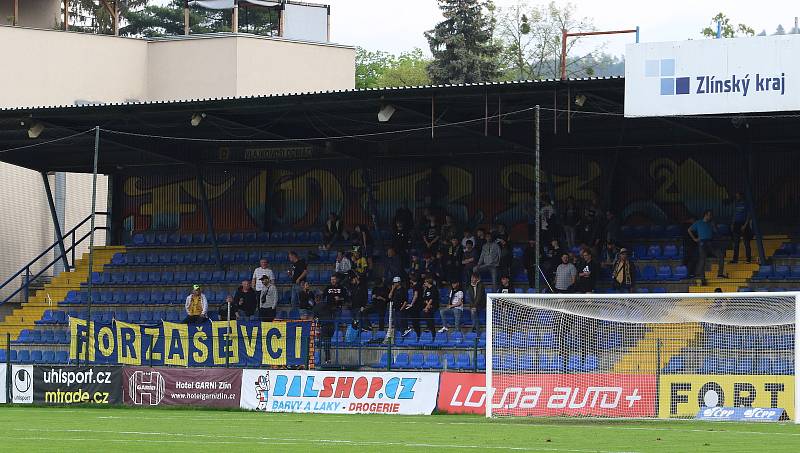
x=56 y=290
x=739 y=274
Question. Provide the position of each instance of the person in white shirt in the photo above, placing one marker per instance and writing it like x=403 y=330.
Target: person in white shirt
x=455 y=305
x=262 y=270
x=196 y=306
x=268 y=300
x=343 y=264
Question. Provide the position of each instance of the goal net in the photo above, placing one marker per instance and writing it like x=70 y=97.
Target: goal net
x=641 y=355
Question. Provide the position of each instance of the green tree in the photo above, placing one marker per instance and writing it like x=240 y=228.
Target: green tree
x=408 y=69
x=370 y=66
x=531 y=38
x=91 y=16
x=378 y=69
x=729 y=30
x=463 y=45
x=167 y=20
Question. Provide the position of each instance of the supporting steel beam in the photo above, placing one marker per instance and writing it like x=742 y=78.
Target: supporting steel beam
x=56 y=223
x=201 y=186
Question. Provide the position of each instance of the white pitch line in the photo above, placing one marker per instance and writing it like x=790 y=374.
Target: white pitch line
x=309 y=441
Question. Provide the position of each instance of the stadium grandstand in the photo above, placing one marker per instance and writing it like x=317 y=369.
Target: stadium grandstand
x=201 y=191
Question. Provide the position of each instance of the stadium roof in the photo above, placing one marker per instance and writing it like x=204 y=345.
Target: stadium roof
x=428 y=122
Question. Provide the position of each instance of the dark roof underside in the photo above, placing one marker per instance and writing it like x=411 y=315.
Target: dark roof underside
x=311 y=126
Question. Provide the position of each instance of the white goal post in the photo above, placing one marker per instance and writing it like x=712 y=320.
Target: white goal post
x=652 y=355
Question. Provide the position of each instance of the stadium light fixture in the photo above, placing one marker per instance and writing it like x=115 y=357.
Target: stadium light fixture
x=386 y=112
x=197 y=118
x=35 y=128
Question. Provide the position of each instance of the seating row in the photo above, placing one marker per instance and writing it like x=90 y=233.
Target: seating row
x=431 y=361
x=191 y=277
x=663 y=232
x=42 y=337
x=276 y=237
x=207 y=257
x=768 y=272
x=453 y=339
x=35 y=356
x=788 y=250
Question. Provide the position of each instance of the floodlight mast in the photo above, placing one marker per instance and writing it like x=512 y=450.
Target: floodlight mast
x=565 y=35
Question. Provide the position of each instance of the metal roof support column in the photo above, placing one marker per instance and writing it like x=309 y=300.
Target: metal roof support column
x=372 y=205
x=748 y=160
x=201 y=187
x=56 y=224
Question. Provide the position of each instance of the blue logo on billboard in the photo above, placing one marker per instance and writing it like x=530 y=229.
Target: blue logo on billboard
x=665 y=71
x=671 y=85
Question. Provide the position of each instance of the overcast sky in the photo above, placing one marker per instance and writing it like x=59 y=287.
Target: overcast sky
x=396 y=25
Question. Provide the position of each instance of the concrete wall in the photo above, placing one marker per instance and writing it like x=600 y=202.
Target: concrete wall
x=46 y=67
x=50 y=67
x=278 y=66
x=191 y=69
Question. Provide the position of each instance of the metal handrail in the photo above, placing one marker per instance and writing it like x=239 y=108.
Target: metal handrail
x=26 y=270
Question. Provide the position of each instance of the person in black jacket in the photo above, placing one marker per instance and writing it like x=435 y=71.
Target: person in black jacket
x=358 y=298
x=398 y=298
x=245 y=302
x=307 y=301
x=430 y=305
x=411 y=309
x=380 y=298
x=505 y=285
x=477 y=298
x=325 y=312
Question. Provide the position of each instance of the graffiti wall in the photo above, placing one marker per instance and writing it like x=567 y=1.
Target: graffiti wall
x=641 y=187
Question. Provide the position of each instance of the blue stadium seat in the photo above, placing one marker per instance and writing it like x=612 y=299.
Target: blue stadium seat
x=36 y=356
x=648 y=273
x=383 y=362
x=575 y=363
x=49 y=357
x=62 y=357
x=463 y=361
x=764 y=273
x=179 y=277
x=401 y=361
x=59 y=317
x=454 y=339
x=653 y=252
x=450 y=361
x=152 y=258
x=23 y=356
x=417 y=360
x=426 y=339
x=780 y=273
x=664 y=273
x=670 y=252
x=675 y=365
x=432 y=361
x=680 y=273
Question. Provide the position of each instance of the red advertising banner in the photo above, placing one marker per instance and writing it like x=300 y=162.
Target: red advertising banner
x=212 y=387
x=603 y=395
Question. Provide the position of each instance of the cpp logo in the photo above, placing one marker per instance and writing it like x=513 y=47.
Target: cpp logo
x=22 y=384
x=665 y=70
x=146 y=385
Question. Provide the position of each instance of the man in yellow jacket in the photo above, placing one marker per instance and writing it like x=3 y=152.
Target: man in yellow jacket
x=196 y=306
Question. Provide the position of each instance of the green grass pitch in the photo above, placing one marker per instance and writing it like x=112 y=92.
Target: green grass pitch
x=39 y=429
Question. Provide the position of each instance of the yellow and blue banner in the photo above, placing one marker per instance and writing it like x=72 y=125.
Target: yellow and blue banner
x=213 y=343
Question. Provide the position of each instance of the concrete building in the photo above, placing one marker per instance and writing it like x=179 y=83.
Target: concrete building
x=47 y=67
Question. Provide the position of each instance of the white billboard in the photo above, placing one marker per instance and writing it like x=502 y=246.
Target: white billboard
x=22 y=384
x=713 y=76
x=337 y=392
x=3 y=388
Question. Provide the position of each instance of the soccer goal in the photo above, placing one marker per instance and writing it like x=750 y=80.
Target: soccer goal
x=642 y=355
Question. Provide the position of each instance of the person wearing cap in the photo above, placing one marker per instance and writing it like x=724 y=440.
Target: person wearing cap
x=455 y=305
x=267 y=300
x=624 y=272
x=505 y=285
x=398 y=297
x=196 y=306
